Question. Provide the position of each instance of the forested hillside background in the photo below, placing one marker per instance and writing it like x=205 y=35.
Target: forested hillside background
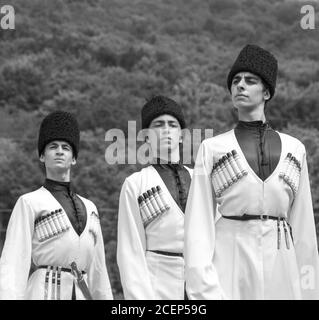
x=101 y=59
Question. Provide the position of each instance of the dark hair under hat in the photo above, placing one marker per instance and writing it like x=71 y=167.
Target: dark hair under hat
x=259 y=61
x=59 y=125
x=158 y=106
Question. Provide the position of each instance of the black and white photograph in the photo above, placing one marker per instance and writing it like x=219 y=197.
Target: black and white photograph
x=159 y=150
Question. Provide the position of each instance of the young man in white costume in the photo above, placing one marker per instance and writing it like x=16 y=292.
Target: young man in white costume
x=54 y=227
x=151 y=210
x=264 y=245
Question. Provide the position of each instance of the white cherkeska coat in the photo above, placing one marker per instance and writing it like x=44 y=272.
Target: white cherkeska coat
x=22 y=245
x=239 y=259
x=144 y=274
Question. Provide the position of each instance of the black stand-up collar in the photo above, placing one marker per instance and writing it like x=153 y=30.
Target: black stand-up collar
x=53 y=185
x=167 y=164
x=252 y=125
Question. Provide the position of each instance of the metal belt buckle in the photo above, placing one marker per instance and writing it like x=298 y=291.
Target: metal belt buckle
x=264 y=217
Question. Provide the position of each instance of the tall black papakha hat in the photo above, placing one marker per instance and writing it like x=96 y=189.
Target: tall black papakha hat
x=259 y=61
x=158 y=106
x=59 y=125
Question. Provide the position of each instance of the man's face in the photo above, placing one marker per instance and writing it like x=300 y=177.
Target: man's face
x=165 y=134
x=58 y=156
x=248 y=91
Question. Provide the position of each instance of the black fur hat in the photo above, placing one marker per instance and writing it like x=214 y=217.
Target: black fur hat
x=59 y=125
x=158 y=106
x=259 y=61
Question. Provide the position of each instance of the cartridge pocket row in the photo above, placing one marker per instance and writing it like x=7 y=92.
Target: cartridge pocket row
x=226 y=171
x=152 y=204
x=51 y=224
x=290 y=172
x=94 y=226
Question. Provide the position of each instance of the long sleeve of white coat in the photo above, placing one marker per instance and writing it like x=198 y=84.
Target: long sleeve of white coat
x=301 y=219
x=98 y=279
x=15 y=260
x=131 y=247
x=201 y=276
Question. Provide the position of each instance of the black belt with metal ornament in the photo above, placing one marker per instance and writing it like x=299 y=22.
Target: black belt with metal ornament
x=62 y=269
x=246 y=217
x=265 y=217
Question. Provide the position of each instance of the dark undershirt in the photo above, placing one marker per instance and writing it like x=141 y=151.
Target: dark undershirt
x=261 y=146
x=70 y=202
x=177 y=180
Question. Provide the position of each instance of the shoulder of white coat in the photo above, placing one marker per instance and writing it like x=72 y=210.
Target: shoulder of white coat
x=292 y=143
x=135 y=179
x=33 y=196
x=219 y=141
x=88 y=203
